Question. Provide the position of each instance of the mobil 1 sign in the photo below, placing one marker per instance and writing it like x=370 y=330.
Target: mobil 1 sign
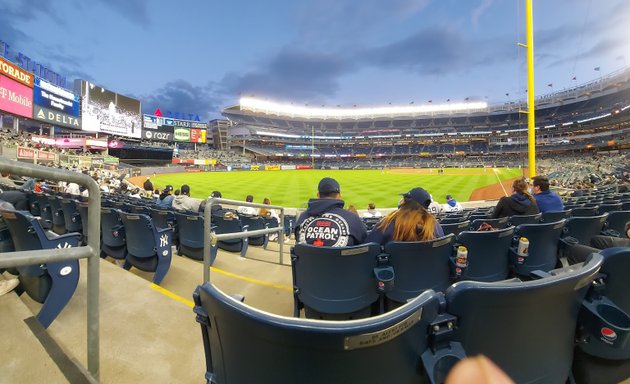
x=55 y=105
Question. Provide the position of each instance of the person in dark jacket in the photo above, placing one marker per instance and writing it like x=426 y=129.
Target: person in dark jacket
x=326 y=223
x=546 y=200
x=148 y=185
x=410 y=222
x=519 y=203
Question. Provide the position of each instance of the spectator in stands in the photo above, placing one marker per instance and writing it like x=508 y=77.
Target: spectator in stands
x=451 y=205
x=410 y=222
x=156 y=195
x=435 y=208
x=165 y=199
x=269 y=213
x=372 y=212
x=177 y=192
x=248 y=211
x=148 y=185
x=577 y=253
x=546 y=200
x=6 y=180
x=519 y=203
x=326 y=223
x=73 y=189
x=184 y=202
x=352 y=209
x=135 y=193
x=217 y=209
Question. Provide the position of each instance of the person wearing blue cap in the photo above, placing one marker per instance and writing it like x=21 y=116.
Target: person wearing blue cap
x=326 y=223
x=410 y=222
x=451 y=205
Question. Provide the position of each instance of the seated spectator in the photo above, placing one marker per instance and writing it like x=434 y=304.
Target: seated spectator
x=248 y=211
x=519 y=203
x=73 y=189
x=372 y=212
x=326 y=223
x=451 y=205
x=269 y=213
x=165 y=199
x=410 y=222
x=435 y=208
x=6 y=180
x=546 y=200
x=352 y=209
x=148 y=185
x=184 y=202
x=217 y=209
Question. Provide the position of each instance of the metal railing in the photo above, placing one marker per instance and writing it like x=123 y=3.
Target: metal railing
x=210 y=238
x=90 y=252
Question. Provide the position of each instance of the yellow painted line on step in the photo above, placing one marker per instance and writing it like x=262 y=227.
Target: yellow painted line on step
x=253 y=281
x=173 y=296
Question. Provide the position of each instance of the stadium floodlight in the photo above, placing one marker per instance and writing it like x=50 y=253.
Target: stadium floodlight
x=295 y=111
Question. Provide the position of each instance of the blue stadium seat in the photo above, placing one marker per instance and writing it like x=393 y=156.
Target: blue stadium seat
x=370 y=222
x=58 y=221
x=71 y=215
x=162 y=218
x=498 y=223
x=617 y=221
x=246 y=345
x=517 y=220
x=418 y=266
x=543 y=240
x=553 y=216
x=584 y=228
x=334 y=283
x=289 y=224
x=585 y=211
x=609 y=207
x=113 y=242
x=223 y=224
x=148 y=248
x=455 y=228
x=526 y=328
x=487 y=254
x=51 y=284
x=82 y=207
x=255 y=223
x=44 y=210
x=451 y=219
x=191 y=236
x=603 y=353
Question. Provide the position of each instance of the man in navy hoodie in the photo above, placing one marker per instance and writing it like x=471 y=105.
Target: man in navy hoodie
x=546 y=200
x=326 y=223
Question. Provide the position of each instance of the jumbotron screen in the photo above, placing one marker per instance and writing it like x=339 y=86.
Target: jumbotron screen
x=105 y=111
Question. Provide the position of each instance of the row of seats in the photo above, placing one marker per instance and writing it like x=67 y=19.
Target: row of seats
x=528 y=328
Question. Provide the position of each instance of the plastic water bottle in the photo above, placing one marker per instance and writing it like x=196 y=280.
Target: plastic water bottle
x=461 y=260
x=522 y=250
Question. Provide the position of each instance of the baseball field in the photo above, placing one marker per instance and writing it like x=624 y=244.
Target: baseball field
x=358 y=187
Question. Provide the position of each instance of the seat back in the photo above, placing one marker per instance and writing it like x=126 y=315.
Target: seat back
x=254 y=223
x=609 y=207
x=517 y=220
x=334 y=281
x=451 y=219
x=418 y=266
x=455 y=228
x=585 y=211
x=228 y=225
x=71 y=215
x=553 y=216
x=82 y=207
x=617 y=220
x=139 y=234
x=246 y=345
x=585 y=227
x=162 y=218
x=22 y=230
x=487 y=254
x=57 y=212
x=543 y=246
x=616 y=268
x=498 y=223
x=370 y=222
x=190 y=235
x=113 y=234
x=526 y=328
x=44 y=207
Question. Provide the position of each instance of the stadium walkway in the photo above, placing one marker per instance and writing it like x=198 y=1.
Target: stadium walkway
x=148 y=333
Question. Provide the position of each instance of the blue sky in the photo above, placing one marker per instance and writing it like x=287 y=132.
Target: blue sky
x=197 y=56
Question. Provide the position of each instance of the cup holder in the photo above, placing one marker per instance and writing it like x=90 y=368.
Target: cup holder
x=613 y=315
x=384 y=278
x=443 y=366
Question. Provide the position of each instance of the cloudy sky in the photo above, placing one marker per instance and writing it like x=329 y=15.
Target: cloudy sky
x=197 y=56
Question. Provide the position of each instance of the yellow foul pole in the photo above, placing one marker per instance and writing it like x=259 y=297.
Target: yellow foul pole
x=531 y=114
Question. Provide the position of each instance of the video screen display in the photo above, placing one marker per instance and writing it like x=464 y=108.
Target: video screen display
x=108 y=112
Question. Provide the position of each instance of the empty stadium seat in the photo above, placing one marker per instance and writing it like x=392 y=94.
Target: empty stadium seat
x=526 y=328
x=334 y=283
x=190 y=236
x=255 y=223
x=584 y=228
x=51 y=284
x=246 y=345
x=221 y=225
x=148 y=248
x=617 y=221
x=498 y=223
x=609 y=207
x=542 y=254
x=58 y=221
x=517 y=220
x=71 y=215
x=487 y=254
x=585 y=211
x=553 y=216
x=455 y=228
x=113 y=242
x=418 y=266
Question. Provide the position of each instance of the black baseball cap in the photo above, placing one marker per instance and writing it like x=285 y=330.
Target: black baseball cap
x=185 y=189
x=421 y=196
x=328 y=185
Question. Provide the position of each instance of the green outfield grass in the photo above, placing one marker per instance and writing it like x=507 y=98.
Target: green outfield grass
x=358 y=188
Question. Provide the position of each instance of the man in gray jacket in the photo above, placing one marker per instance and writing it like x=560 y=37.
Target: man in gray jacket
x=184 y=202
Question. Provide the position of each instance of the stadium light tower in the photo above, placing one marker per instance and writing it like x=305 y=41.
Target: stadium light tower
x=531 y=108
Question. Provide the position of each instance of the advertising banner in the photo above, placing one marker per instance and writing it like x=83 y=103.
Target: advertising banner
x=96 y=143
x=105 y=111
x=272 y=167
x=15 y=98
x=255 y=167
x=75 y=142
x=302 y=166
x=43 y=155
x=16 y=73
x=25 y=153
x=288 y=167
x=111 y=160
x=181 y=134
x=201 y=162
x=55 y=105
x=162 y=133
x=197 y=135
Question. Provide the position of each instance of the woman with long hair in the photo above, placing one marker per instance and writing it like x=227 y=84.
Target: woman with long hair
x=410 y=222
x=520 y=202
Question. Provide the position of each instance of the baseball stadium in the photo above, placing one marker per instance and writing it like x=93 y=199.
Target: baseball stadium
x=420 y=243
